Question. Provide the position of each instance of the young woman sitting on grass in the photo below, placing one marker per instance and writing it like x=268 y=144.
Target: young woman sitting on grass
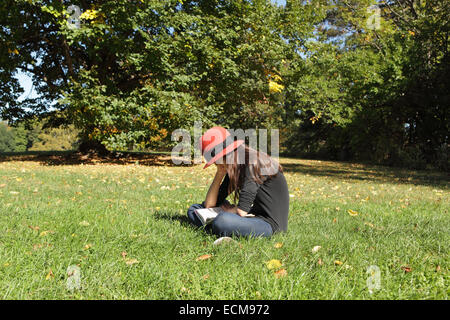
x=258 y=184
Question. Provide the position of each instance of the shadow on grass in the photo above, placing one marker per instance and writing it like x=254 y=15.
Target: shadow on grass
x=331 y=169
x=366 y=172
x=61 y=158
x=182 y=219
x=205 y=230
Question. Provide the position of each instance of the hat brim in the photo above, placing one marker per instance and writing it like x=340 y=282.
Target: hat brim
x=228 y=149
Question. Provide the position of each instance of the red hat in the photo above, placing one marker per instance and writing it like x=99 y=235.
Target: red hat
x=216 y=143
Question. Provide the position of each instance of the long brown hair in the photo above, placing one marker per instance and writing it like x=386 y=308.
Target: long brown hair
x=260 y=165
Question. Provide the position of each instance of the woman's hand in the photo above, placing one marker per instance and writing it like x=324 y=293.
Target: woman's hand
x=234 y=209
x=221 y=168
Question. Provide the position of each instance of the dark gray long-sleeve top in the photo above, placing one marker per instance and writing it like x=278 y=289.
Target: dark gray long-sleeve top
x=268 y=201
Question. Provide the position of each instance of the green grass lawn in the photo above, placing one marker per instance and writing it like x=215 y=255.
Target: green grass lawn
x=125 y=227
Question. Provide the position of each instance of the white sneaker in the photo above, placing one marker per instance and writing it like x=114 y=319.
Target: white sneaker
x=222 y=240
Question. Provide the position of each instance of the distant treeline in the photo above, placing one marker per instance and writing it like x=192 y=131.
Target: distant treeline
x=34 y=137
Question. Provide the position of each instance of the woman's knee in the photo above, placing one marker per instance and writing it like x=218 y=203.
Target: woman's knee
x=194 y=207
x=228 y=224
x=192 y=216
x=224 y=223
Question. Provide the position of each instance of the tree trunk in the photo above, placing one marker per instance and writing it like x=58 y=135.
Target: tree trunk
x=95 y=147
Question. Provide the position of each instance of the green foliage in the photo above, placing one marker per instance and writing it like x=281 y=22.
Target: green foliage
x=383 y=89
x=56 y=139
x=370 y=76
x=34 y=136
x=22 y=138
x=7 y=142
x=134 y=71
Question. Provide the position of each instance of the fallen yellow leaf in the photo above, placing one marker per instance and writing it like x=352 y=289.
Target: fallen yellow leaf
x=49 y=275
x=273 y=264
x=203 y=257
x=280 y=273
x=130 y=262
x=205 y=277
x=369 y=224
x=278 y=245
x=352 y=213
x=406 y=268
x=338 y=263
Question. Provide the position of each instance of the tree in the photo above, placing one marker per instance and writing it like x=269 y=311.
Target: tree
x=7 y=143
x=135 y=70
x=361 y=79
x=374 y=82
x=21 y=138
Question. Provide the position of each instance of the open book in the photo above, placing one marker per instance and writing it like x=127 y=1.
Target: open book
x=207 y=215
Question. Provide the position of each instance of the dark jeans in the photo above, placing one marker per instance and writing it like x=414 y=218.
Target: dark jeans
x=227 y=224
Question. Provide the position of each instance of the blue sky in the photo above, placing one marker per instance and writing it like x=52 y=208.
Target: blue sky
x=27 y=85
x=25 y=81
